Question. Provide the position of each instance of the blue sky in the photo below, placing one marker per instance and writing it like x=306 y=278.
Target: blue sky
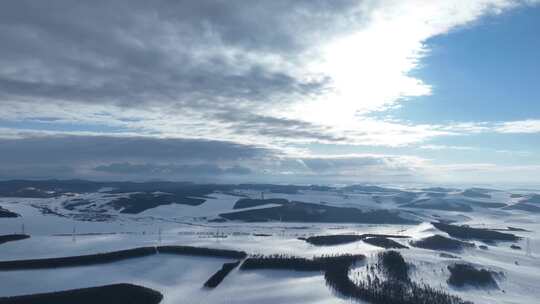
x=487 y=71
x=483 y=72
x=442 y=92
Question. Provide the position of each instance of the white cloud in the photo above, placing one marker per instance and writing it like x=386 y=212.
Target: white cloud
x=487 y=173
x=527 y=126
x=523 y=126
x=370 y=69
x=316 y=75
x=445 y=147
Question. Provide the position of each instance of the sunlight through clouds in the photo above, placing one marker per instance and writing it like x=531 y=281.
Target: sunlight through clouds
x=370 y=69
x=311 y=73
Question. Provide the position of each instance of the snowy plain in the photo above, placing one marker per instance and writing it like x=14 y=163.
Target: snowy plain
x=180 y=278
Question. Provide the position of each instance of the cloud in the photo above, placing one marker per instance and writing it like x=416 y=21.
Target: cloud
x=142 y=158
x=527 y=126
x=349 y=168
x=174 y=88
x=184 y=52
x=80 y=149
x=126 y=157
x=515 y=127
x=280 y=128
x=276 y=72
x=445 y=147
x=38 y=171
x=171 y=170
x=496 y=175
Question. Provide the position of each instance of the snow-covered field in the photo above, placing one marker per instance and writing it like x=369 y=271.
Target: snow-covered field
x=180 y=278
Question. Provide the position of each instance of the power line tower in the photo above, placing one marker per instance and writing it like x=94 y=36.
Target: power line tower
x=219 y=235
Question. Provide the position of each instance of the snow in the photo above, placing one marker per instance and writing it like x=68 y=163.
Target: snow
x=180 y=278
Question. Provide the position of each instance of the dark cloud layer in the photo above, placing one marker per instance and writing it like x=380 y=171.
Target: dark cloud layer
x=335 y=164
x=140 y=158
x=190 y=53
x=143 y=158
x=248 y=123
x=81 y=149
x=172 y=170
x=198 y=62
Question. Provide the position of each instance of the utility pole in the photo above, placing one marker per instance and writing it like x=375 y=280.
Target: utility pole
x=23 y=231
x=218 y=235
x=528 y=246
x=73 y=239
x=159 y=235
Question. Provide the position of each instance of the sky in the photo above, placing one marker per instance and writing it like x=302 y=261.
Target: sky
x=304 y=91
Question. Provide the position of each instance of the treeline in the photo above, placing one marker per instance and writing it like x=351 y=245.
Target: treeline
x=318 y=213
x=7 y=213
x=202 y=251
x=337 y=239
x=114 y=256
x=378 y=291
x=289 y=262
x=383 y=242
x=465 y=232
x=220 y=275
x=53 y=188
x=329 y=240
x=250 y=202
x=439 y=242
x=138 y=202
x=116 y=293
x=393 y=265
x=81 y=260
x=394 y=288
x=12 y=237
x=465 y=274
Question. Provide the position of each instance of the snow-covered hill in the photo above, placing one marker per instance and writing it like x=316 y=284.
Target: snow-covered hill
x=64 y=220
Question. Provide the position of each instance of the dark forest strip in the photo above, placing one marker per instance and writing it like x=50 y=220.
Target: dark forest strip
x=286 y=262
x=383 y=242
x=439 y=242
x=81 y=260
x=465 y=274
x=7 y=213
x=378 y=291
x=115 y=256
x=465 y=232
x=220 y=275
x=338 y=239
x=201 y=251
x=12 y=237
x=394 y=287
x=117 y=293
